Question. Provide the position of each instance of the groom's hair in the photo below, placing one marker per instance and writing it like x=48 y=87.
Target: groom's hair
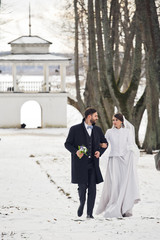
x=89 y=111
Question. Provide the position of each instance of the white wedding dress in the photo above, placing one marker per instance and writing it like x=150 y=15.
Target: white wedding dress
x=120 y=190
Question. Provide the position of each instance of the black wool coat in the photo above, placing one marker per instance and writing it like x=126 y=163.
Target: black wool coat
x=79 y=167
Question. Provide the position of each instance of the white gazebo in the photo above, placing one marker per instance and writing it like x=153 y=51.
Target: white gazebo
x=33 y=50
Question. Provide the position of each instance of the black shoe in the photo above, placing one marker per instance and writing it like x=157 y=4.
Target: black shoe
x=80 y=211
x=127 y=215
x=90 y=216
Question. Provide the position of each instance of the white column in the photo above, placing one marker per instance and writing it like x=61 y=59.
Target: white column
x=46 y=76
x=14 y=77
x=63 y=77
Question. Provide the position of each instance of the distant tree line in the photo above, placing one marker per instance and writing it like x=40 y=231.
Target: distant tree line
x=120 y=41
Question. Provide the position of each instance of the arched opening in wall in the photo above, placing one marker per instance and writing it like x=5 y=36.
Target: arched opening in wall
x=31 y=115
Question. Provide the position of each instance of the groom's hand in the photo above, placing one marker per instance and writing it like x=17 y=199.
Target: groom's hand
x=97 y=154
x=79 y=154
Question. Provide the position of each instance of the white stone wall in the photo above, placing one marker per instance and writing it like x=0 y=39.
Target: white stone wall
x=53 y=107
x=38 y=48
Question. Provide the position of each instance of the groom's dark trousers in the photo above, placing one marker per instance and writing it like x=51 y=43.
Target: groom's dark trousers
x=91 y=186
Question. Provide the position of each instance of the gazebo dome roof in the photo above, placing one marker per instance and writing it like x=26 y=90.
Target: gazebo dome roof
x=30 y=45
x=29 y=40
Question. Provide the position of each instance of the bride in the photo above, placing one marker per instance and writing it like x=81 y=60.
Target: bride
x=120 y=190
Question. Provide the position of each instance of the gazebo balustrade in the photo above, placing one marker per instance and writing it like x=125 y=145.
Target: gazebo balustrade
x=30 y=87
x=6 y=86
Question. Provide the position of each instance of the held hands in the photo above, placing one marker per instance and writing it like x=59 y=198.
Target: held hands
x=97 y=154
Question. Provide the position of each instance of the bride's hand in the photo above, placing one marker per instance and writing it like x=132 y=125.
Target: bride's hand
x=103 y=145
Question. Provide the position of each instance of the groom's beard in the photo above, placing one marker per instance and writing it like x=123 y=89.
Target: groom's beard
x=93 y=121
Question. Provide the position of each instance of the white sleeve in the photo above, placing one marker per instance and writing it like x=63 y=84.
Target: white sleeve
x=131 y=143
x=107 y=135
x=131 y=136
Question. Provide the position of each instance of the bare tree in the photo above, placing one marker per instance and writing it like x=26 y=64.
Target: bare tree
x=151 y=37
x=116 y=32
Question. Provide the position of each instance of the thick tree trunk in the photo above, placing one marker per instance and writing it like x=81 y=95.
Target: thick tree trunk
x=83 y=37
x=92 y=91
x=109 y=56
x=127 y=55
x=79 y=103
x=138 y=111
x=152 y=102
x=115 y=37
x=107 y=102
x=155 y=31
x=145 y=10
x=136 y=71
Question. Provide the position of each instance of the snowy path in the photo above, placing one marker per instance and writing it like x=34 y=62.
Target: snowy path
x=28 y=202
x=38 y=202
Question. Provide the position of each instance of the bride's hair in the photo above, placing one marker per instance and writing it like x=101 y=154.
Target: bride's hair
x=119 y=116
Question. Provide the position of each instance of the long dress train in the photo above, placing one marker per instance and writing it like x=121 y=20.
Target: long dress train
x=120 y=190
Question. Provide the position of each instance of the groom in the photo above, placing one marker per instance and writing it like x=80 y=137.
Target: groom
x=85 y=169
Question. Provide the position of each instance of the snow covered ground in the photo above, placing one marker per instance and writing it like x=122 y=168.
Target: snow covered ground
x=37 y=200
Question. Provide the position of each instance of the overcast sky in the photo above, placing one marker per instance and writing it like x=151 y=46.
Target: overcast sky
x=46 y=22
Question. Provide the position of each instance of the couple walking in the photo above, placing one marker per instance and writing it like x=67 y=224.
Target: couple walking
x=120 y=189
